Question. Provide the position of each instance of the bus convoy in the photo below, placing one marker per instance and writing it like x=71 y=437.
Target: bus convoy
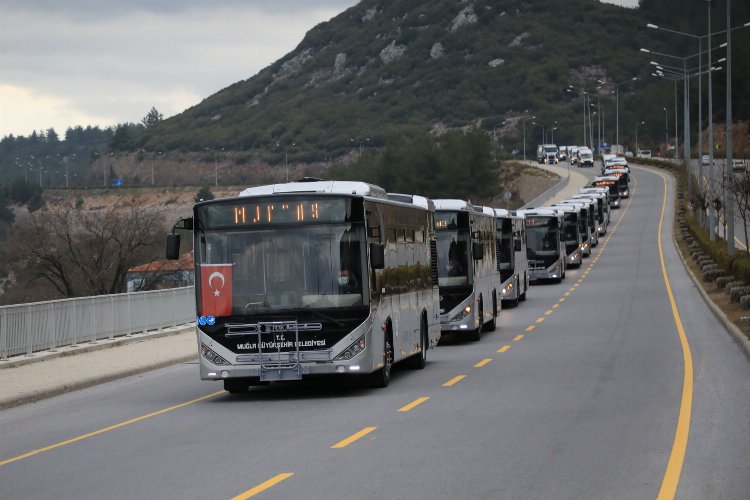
x=315 y=277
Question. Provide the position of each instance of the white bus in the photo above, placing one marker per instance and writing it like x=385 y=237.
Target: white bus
x=589 y=233
x=602 y=197
x=511 y=256
x=571 y=231
x=611 y=183
x=544 y=244
x=312 y=278
x=467 y=268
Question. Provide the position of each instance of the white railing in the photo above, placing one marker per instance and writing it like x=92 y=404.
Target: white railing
x=39 y=326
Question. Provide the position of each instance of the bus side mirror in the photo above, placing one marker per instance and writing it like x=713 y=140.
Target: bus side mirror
x=517 y=245
x=377 y=256
x=173 y=246
x=477 y=250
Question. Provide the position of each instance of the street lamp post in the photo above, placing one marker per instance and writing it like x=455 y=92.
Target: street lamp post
x=524 y=133
x=728 y=193
x=713 y=214
x=666 y=131
x=636 y=135
x=617 y=106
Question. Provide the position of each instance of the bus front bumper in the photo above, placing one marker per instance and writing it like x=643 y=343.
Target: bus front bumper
x=462 y=318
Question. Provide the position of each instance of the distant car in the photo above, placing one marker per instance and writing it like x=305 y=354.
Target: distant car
x=573 y=154
x=585 y=157
x=629 y=154
x=644 y=153
x=705 y=160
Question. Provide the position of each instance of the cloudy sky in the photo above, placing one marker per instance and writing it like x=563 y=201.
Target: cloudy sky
x=102 y=62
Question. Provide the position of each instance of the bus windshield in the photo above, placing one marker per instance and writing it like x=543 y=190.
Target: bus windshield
x=570 y=222
x=453 y=263
x=542 y=239
x=274 y=269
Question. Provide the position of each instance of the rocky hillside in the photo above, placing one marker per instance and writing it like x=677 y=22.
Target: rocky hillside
x=385 y=69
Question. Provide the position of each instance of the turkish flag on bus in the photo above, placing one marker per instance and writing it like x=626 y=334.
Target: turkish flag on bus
x=216 y=289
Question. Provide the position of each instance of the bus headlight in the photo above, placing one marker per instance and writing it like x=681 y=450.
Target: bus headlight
x=465 y=312
x=211 y=356
x=351 y=351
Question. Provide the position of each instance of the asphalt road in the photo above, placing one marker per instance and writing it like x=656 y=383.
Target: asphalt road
x=585 y=404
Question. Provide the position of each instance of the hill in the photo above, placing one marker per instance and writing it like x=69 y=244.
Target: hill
x=382 y=70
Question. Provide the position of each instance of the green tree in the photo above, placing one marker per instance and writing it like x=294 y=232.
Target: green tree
x=121 y=139
x=152 y=118
x=204 y=194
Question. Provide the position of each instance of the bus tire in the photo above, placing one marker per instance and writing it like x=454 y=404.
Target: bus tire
x=382 y=377
x=236 y=385
x=491 y=325
x=419 y=360
x=514 y=302
x=522 y=297
x=477 y=334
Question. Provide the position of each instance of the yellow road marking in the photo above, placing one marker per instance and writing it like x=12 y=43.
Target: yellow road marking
x=413 y=404
x=530 y=328
x=539 y=320
x=454 y=380
x=567 y=294
x=563 y=299
x=110 y=428
x=354 y=437
x=571 y=289
x=482 y=363
x=555 y=306
x=263 y=486
x=677 y=456
x=580 y=281
x=548 y=312
x=517 y=337
x=503 y=348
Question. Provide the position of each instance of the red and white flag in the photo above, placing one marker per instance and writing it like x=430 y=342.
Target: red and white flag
x=216 y=289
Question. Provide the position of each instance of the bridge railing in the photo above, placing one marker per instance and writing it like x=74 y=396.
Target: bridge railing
x=39 y=326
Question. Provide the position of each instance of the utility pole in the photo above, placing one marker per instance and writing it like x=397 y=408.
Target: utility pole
x=728 y=193
x=713 y=213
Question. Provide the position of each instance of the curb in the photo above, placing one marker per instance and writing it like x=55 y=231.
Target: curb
x=101 y=344
x=90 y=382
x=730 y=327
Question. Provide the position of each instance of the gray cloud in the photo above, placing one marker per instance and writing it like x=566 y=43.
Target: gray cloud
x=112 y=61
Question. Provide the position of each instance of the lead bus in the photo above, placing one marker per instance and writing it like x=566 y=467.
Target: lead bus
x=312 y=278
x=545 y=246
x=467 y=268
x=512 y=261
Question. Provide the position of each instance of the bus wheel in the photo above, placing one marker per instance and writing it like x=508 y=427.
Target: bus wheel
x=236 y=385
x=514 y=302
x=492 y=324
x=419 y=360
x=477 y=334
x=382 y=377
x=522 y=297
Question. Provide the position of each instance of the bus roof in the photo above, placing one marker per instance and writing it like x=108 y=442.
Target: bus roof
x=508 y=214
x=567 y=207
x=542 y=212
x=323 y=187
x=412 y=199
x=462 y=205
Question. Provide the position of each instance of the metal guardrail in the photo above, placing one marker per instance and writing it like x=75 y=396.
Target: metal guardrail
x=40 y=326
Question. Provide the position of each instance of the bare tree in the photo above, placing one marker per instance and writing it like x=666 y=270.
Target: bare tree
x=80 y=253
